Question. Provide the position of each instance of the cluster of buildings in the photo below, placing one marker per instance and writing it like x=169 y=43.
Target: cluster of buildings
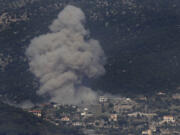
x=6 y=19
x=120 y=115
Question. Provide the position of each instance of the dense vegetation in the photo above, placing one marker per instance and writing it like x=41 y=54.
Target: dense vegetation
x=140 y=40
x=14 y=121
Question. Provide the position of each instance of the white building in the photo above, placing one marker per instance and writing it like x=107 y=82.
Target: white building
x=77 y=124
x=148 y=132
x=83 y=114
x=168 y=119
x=65 y=119
x=113 y=117
x=36 y=112
x=103 y=99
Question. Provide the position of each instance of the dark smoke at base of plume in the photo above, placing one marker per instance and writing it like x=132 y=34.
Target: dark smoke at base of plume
x=63 y=57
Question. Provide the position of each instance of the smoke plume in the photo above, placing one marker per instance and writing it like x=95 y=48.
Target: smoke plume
x=62 y=58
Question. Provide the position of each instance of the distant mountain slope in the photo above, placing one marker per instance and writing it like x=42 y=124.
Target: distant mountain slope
x=14 y=121
x=140 y=39
x=15 y=3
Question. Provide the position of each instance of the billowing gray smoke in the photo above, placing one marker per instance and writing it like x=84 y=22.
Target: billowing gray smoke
x=62 y=58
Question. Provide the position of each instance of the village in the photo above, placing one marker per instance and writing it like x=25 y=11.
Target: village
x=117 y=115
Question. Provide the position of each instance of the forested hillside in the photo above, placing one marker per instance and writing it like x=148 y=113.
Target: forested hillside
x=14 y=121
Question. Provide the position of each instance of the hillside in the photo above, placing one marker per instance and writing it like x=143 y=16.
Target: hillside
x=140 y=40
x=14 y=121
